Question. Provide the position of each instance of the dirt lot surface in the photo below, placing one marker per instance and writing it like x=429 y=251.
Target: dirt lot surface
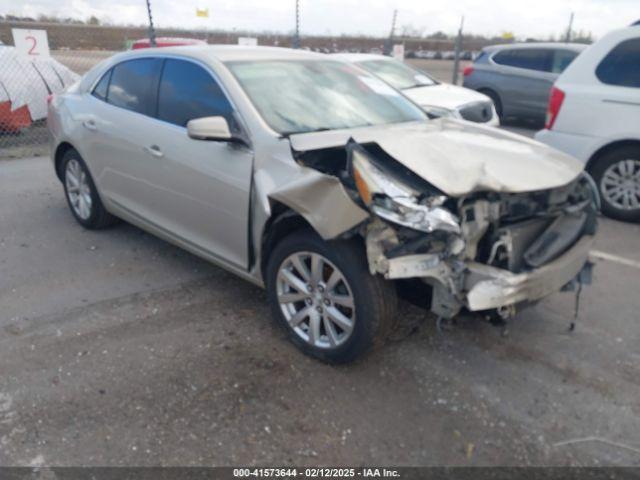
x=119 y=349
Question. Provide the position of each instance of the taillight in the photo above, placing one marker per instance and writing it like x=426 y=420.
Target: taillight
x=49 y=98
x=467 y=71
x=555 y=103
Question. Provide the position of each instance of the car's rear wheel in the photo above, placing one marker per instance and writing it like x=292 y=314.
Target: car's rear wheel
x=82 y=195
x=324 y=296
x=617 y=174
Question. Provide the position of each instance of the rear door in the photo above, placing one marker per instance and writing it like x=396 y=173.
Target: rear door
x=196 y=189
x=121 y=106
x=526 y=80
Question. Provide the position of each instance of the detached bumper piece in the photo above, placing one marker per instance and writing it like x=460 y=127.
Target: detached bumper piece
x=490 y=287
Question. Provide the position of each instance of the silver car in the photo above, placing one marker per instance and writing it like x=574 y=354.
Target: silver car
x=518 y=77
x=318 y=181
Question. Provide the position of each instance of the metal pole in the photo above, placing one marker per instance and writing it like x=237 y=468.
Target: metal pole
x=152 y=31
x=456 y=61
x=296 y=36
x=568 y=37
x=389 y=42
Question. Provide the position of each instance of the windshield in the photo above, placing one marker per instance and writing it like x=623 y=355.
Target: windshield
x=303 y=96
x=397 y=74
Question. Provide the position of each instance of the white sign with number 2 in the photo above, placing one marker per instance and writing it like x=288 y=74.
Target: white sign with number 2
x=31 y=42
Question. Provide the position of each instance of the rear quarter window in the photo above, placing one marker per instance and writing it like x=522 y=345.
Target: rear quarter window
x=621 y=67
x=101 y=88
x=562 y=59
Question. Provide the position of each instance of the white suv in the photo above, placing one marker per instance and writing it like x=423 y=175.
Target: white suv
x=594 y=115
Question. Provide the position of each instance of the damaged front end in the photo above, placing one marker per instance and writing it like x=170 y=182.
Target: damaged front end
x=481 y=251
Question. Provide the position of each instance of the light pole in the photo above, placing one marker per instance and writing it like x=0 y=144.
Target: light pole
x=296 y=35
x=152 y=31
x=388 y=44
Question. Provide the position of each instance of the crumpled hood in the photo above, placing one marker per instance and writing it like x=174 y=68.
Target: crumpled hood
x=444 y=95
x=459 y=158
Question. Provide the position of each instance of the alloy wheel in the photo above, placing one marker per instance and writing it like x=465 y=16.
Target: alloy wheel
x=316 y=300
x=620 y=184
x=78 y=189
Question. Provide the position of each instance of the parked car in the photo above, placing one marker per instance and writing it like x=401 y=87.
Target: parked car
x=594 y=115
x=519 y=77
x=166 y=42
x=318 y=181
x=436 y=98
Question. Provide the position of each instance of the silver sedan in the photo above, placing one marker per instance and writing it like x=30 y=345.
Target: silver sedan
x=315 y=179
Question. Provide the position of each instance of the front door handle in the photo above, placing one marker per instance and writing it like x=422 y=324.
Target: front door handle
x=154 y=150
x=90 y=125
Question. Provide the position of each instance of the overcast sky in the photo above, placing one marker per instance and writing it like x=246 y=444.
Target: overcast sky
x=522 y=17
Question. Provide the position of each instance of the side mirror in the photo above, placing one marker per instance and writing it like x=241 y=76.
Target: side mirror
x=209 y=128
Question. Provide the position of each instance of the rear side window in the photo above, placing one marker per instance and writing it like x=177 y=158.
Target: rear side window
x=133 y=83
x=528 y=58
x=562 y=59
x=188 y=91
x=100 y=91
x=482 y=58
x=621 y=66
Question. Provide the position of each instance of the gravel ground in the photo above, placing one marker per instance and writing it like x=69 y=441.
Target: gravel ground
x=119 y=349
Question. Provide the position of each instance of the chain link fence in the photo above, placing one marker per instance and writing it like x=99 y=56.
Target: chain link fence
x=27 y=80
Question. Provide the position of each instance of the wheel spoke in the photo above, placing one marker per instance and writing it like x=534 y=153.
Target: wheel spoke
x=314 y=328
x=316 y=268
x=291 y=297
x=289 y=277
x=299 y=316
x=332 y=335
x=344 y=300
x=301 y=268
x=339 y=319
x=334 y=279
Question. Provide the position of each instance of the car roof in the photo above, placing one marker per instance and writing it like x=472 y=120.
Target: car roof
x=359 y=57
x=577 y=47
x=225 y=53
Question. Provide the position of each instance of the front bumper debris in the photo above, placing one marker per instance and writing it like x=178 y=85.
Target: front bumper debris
x=489 y=287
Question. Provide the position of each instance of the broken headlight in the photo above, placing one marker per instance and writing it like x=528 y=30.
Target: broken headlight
x=397 y=203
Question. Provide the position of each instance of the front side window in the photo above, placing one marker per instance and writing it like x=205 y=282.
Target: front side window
x=188 y=91
x=132 y=85
x=527 y=58
x=621 y=66
x=296 y=96
x=397 y=74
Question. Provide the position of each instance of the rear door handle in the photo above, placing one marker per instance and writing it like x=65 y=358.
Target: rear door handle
x=90 y=125
x=154 y=150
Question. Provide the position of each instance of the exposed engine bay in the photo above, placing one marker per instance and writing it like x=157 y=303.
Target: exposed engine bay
x=485 y=250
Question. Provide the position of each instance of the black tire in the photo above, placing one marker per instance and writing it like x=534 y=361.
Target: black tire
x=374 y=298
x=495 y=98
x=98 y=218
x=598 y=169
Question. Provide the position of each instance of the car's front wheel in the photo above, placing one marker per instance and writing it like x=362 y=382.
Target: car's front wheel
x=82 y=195
x=326 y=299
x=617 y=174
